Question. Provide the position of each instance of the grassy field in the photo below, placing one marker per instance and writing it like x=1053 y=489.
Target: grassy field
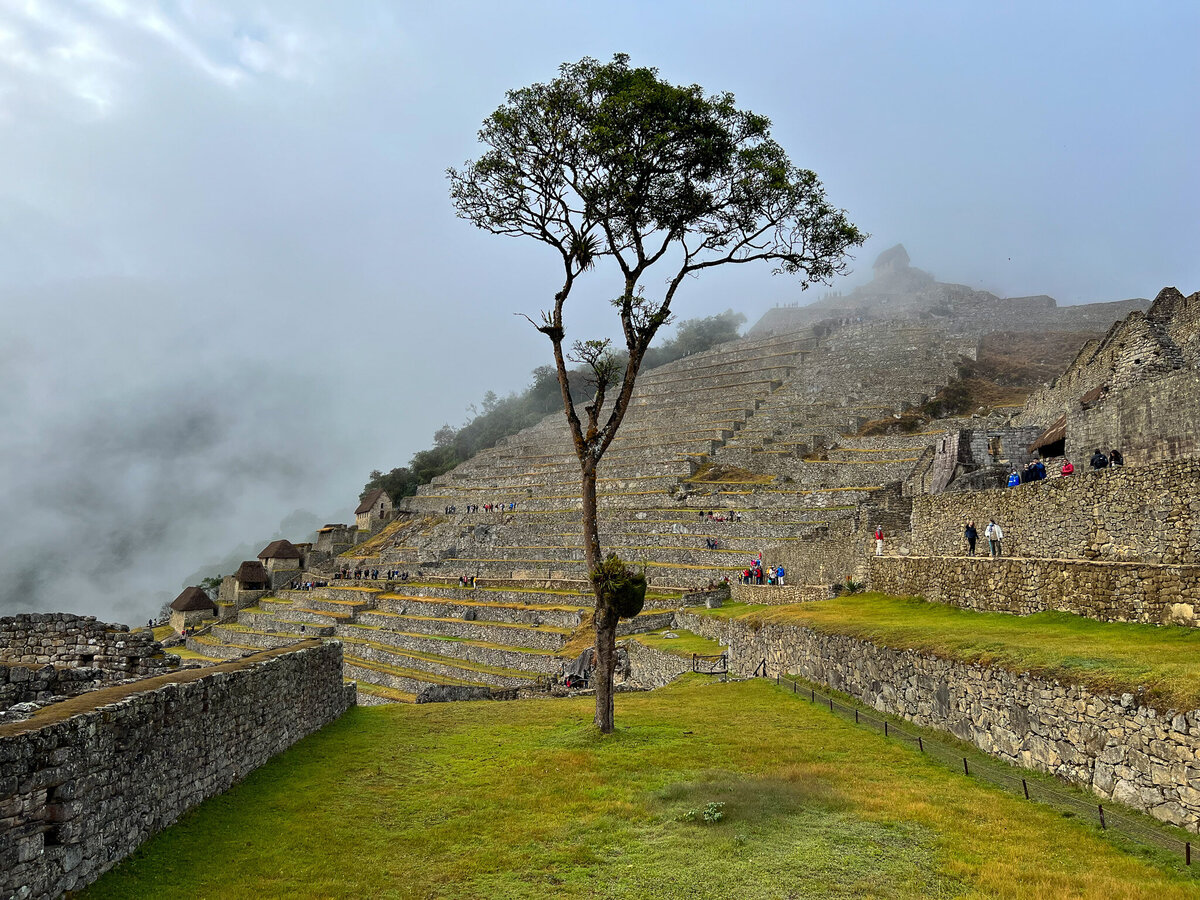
x=1162 y=661
x=723 y=791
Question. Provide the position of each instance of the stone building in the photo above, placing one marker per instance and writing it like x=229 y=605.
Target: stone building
x=192 y=606
x=243 y=588
x=334 y=539
x=374 y=511
x=1135 y=389
x=281 y=555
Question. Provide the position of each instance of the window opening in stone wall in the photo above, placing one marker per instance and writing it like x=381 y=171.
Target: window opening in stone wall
x=86 y=659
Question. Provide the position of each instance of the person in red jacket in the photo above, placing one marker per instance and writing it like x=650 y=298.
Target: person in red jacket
x=879 y=540
x=1067 y=468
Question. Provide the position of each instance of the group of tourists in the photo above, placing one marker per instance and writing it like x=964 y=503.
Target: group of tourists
x=1036 y=470
x=1100 y=461
x=348 y=574
x=992 y=533
x=756 y=574
x=710 y=515
x=467 y=581
x=712 y=543
x=299 y=585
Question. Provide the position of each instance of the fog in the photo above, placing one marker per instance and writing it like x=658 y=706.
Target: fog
x=231 y=283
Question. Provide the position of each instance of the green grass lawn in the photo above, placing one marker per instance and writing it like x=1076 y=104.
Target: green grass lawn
x=684 y=644
x=524 y=800
x=1160 y=662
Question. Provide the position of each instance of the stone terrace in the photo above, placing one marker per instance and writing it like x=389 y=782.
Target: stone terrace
x=715 y=447
x=1117 y=545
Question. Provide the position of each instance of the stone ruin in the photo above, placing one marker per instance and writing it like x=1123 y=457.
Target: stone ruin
x=44 y=656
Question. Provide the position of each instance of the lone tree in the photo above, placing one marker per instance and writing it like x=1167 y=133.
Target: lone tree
x=611 y=163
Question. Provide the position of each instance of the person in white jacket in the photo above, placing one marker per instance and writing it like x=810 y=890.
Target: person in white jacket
x=994 y=534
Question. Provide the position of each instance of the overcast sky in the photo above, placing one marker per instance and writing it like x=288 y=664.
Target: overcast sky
x=231 y=282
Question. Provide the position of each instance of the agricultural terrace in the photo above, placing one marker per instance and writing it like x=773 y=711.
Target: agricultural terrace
x=1160 y=663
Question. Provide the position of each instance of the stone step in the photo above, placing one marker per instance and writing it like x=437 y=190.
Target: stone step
x=437 y=669
x=260 y=620
x=566 y=617
x=243 y=636
x=476 y=652
x=539 y=637
x=378 y=695
x=317 y=617
x=366 y=671
x=213 y=648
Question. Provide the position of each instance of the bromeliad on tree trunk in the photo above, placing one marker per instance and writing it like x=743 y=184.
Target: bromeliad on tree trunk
x=611 y=164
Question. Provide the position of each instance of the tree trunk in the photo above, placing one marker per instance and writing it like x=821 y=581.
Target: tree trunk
x=605 y=619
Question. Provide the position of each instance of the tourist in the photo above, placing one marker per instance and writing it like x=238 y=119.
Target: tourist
x=779 y=573
x=1039 y=471
x=1115 y=458
x=1067 y=468
x=879 y=540
x=1013 y=478
x=972 y=535
x=1099 y=461
x=995 y=535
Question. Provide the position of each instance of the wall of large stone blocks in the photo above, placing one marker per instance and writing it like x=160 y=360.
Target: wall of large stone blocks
x=1118 y=747
x=1148 y=422
x=81 y=792
x=1103 y=590
x=64 y=639
x=1146 y=513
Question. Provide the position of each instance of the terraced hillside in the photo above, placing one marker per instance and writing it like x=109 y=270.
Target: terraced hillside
x=758 y=432
x=752 y=446
x=723 y=454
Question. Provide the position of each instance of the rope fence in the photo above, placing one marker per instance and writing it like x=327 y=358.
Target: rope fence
x=999 y=774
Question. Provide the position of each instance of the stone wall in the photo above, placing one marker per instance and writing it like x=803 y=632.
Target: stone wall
x=37 y=684
x=778 y=595
x=1107 y=591
x=63 y=639
x=1142 y=348
x=831 y=558
x=653 y=668
x=1148 y=422
x=1122 y=750
x=1144 y=513
x=82 y=789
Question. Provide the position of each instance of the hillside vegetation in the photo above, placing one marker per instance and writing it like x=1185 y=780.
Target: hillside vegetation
x=705 y=791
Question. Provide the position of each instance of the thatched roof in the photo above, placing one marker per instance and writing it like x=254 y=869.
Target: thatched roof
x=1054 y=433
x=252 y=572
x=368 y=501
x=192 y=598
x=282 y=549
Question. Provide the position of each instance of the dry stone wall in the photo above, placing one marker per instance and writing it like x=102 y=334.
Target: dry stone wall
x=1144 y=513
x=1121 y=749
x=63 y=639
x=21 y=684
x=1148 y=422
x=80 y=793
x=1107 y=591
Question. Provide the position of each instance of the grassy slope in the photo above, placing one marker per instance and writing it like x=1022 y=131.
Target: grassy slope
x=521 y=799
x=1162 y=661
